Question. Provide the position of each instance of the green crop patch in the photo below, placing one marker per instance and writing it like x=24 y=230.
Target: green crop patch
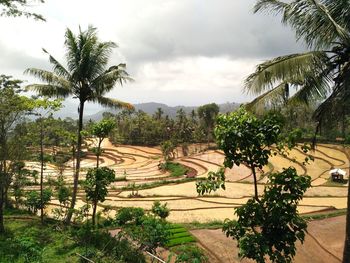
x=180 y=241
x=177 y=230
x=182 y=234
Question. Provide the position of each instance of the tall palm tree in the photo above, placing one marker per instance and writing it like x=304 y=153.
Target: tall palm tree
x=323 y=73
x=86 y=78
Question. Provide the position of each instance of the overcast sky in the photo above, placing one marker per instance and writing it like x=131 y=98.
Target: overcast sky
x=180 y=52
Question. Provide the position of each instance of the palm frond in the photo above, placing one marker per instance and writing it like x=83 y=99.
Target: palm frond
x=58 y=68
x=49 y=90
x=323 y=11
x=49 y=77
x=106 y=81
x=291 y=68
x=270 y=5
x=314 y=88
x=335 y=105
x=112 y=103
x=275 y=96
x=318 y=24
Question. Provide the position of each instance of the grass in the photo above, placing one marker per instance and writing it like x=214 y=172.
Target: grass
x=325 y=215
x=120 y=178
x=157 y=184
x=180 y=241
x=175 y=169
x=215 y=224
x=26 y=240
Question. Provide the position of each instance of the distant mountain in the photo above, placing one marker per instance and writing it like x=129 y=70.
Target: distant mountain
x=70 y=110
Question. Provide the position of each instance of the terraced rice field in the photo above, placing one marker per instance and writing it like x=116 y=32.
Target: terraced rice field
x=139 y=165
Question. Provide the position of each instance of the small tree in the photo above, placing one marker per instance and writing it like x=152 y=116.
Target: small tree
x=190 y=254
x=153 y=233
x=160 y=210
x=168 y=150
x=207 y=113
x=270 y=225
x=101 y=130
x=96 y=183
x=35 y=202
x=245 y=139
x=63 y=194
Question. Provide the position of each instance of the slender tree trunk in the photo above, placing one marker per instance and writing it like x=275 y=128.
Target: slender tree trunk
x=255 y=184
x=94 y=212
x=98 y=153
x=77 y=167
x=2 y=228
x=346 y=252
x=41 y=170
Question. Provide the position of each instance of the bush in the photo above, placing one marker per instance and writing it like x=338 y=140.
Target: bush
x=33 y=200
x=153 y=233
x=190 y=254
x=175 y=169
x=128 y=215
x=160 y=210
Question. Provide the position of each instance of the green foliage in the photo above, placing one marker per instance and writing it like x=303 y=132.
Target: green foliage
x=175 y=169
x=246 y=139
x=95 y=186
x=214 y=182
x=207 y=113
x=180 y=241
x=86 y=85
x=33 y=200
x=190 y=254
x=272 y=225
x=178 y=235
x=103 y=128
x=168 y=150
x=177 y=229
x=27 y=241
x=16 y=8
x=96 y=183
x=160 y=210
x=151 y=234
x=129 y=215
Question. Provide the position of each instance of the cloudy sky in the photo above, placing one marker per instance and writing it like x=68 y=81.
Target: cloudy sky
x=180 y=52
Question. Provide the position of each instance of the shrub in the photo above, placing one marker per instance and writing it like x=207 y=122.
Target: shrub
x=160 y=210
x=33 y=200
x=190 y=254
x=127 y=215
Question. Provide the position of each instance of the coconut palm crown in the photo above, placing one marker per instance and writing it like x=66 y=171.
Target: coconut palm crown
x=86 y=77
x=321 y=74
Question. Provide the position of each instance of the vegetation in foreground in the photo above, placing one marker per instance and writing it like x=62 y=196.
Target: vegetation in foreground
x=27 y=240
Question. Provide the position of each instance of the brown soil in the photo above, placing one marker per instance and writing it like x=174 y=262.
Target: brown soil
x=323 y=243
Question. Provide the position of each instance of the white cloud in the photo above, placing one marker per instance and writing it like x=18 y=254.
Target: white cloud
x=178 y=51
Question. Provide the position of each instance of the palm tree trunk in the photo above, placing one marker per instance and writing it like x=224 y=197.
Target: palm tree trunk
x=77 y=167
x=41 y=171
x=346 y=252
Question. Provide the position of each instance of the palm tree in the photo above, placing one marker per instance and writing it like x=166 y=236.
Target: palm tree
x=322 y=73
x=86 y=78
